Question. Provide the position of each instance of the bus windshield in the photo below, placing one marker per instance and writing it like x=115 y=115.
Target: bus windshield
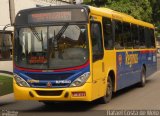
x=51 y=47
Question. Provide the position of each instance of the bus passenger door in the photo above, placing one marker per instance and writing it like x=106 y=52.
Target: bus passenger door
x=97 y=60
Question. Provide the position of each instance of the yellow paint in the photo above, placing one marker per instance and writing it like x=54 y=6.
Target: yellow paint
x=22 y=93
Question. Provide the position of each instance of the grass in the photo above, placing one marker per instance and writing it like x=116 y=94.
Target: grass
x=6 y=85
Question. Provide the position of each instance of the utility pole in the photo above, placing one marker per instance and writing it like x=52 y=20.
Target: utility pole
x=12 y=11
x=71 y=1
x=5 y=49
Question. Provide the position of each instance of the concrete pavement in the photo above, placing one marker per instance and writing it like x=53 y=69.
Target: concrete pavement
x=7 y=99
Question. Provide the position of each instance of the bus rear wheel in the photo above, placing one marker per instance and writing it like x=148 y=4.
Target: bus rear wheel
x=105 y=99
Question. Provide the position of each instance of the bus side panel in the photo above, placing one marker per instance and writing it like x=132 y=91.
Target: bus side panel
x=128 y=69
x=150 y=60
x=129 y=66
x=110 y=64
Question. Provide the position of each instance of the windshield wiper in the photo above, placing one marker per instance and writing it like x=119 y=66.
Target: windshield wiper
x=60 y=33
x=54 y=40
x=35 y=33
x=39 y=38
x=42 y=40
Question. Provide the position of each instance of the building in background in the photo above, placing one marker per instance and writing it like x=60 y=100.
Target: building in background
x=22 y=4
x=7 y=35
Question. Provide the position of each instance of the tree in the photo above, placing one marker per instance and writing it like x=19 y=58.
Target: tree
x=140 y=9
x=155 y=4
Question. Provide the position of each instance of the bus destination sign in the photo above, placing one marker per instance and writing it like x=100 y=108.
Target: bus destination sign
x=49 y=17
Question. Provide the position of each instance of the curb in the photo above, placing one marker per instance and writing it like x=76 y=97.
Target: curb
x=6 y=72
x=7 y=99
x=6 y=96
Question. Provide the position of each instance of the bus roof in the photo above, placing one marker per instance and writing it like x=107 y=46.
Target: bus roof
x=106 y=12
x=118 y=16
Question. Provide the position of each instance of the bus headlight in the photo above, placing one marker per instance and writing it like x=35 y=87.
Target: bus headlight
x=20 y=81
x=80 y=80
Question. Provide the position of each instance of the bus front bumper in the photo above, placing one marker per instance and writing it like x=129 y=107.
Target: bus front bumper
x=82 y=93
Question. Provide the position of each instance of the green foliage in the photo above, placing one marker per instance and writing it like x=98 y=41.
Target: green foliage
x=146 y=10
x=87 y=1
x=140 y=9
x=6 y=85
x=155 y=4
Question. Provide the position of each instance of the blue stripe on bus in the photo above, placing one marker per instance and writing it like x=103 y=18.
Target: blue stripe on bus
x=42 y=83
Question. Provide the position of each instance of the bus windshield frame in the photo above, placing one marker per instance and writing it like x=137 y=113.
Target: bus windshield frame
x=51 y=47
x=65 y=17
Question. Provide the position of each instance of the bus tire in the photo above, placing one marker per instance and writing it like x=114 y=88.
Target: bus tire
x=143 y=78
x=105 y=99
x=48 y=103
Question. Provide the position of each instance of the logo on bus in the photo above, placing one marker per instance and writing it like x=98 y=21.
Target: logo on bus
x=131 y=59
x=49 y=84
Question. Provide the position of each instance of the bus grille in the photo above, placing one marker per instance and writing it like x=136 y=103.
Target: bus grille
x=44 y=85
x=49 y=93
x=49 y=76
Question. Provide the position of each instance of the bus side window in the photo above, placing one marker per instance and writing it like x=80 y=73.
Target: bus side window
x=147 y=35
x=152 y=38
x=127 y=35
x=149 y=38
x=108 y=34
x=141 y=37
x=96 y=36
x=119 y=44
x=134 y=33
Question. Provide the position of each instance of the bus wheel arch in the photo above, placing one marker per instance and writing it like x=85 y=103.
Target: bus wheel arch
x=111 y=74
x=144 y=66
x=110 y=88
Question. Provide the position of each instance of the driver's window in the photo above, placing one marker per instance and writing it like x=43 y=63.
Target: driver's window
x=96 y=36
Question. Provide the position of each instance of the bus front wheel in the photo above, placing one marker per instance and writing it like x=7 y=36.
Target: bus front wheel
x=105 y=99
x=48 y=103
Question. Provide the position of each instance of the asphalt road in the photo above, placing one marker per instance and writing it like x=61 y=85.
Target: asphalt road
x=132 y=98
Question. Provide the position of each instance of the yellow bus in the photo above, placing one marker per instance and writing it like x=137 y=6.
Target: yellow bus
x=80 y=53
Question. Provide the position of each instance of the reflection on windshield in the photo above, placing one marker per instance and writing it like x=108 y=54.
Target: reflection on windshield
x=53 y=47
